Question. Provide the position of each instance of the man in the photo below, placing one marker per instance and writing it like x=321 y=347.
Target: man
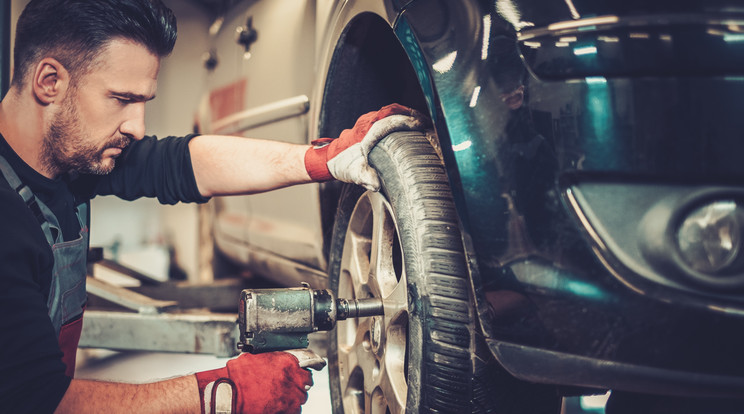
x=72 y=127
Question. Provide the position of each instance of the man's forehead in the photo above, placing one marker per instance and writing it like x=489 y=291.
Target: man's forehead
x=128 y=68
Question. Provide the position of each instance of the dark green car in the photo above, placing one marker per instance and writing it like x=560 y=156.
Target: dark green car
x=573 y=223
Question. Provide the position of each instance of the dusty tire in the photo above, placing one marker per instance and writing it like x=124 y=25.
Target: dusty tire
x=402 y=244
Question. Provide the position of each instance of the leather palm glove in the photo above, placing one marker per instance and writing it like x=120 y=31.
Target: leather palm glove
x=274 y=382
x=345 y=158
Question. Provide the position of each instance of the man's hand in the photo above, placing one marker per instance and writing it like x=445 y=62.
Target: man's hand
x=345 y=158
x=256 y=384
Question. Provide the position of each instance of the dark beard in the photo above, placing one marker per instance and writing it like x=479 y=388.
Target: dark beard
x=65 y=150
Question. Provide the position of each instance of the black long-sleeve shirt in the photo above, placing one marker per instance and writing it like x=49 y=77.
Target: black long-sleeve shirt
x=32 y=375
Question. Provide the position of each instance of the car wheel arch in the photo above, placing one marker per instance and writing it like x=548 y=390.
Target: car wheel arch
x=353 y=67
x=408 y=38
x=368 y=69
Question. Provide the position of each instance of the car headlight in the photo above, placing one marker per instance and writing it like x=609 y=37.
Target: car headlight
x=709 y=238
x=688 y=237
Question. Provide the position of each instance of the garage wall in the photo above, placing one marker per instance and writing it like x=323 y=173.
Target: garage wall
x=148 y=224
x=141 y=228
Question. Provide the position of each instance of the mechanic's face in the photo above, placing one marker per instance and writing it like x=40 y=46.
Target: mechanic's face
x=104 y=112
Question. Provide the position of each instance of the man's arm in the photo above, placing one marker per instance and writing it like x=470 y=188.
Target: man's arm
x=178 y=395
x=226 y=165
x=272 y=382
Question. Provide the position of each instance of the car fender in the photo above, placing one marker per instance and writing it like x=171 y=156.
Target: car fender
x=448 y=92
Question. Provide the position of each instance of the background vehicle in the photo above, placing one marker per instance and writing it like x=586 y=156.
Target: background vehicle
x=572 y=223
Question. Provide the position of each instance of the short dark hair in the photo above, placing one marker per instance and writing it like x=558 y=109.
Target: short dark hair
x=75 y=31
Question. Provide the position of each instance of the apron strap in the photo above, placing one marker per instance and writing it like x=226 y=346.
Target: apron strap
x=44 y=216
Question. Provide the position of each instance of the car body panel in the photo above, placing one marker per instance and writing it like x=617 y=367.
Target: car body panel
x=266 y=224
x=513 y=161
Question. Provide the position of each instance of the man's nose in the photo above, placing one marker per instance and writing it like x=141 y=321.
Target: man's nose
x=134 y=125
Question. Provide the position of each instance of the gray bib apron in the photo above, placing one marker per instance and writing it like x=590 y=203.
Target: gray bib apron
x=67 y=296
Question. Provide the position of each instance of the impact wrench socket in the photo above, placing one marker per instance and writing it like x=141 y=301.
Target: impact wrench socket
x=280 y=319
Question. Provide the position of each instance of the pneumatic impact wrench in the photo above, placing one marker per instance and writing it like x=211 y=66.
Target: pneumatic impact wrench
x=281 y=319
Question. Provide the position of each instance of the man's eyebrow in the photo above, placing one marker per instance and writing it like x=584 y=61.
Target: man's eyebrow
x=133 y=96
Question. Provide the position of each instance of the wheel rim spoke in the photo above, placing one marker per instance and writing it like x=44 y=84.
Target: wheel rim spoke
x=358 y=262
x=373 y=349
x=397 y=301
x=395 y=398
x=383 y=231
x=346 y=364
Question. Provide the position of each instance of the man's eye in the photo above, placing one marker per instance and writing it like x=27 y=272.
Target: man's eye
x=124 y=101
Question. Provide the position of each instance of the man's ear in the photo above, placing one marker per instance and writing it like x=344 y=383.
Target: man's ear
x=50 y=81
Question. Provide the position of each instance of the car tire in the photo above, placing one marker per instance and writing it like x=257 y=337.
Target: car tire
x=401 y=244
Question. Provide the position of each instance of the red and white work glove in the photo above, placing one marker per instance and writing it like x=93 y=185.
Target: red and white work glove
x=274 y=382
x=345 y=158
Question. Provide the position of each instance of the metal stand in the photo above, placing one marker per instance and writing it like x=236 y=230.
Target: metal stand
x=161 y=316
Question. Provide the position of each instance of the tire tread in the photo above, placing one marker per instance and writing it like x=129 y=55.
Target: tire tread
x=449 y=332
